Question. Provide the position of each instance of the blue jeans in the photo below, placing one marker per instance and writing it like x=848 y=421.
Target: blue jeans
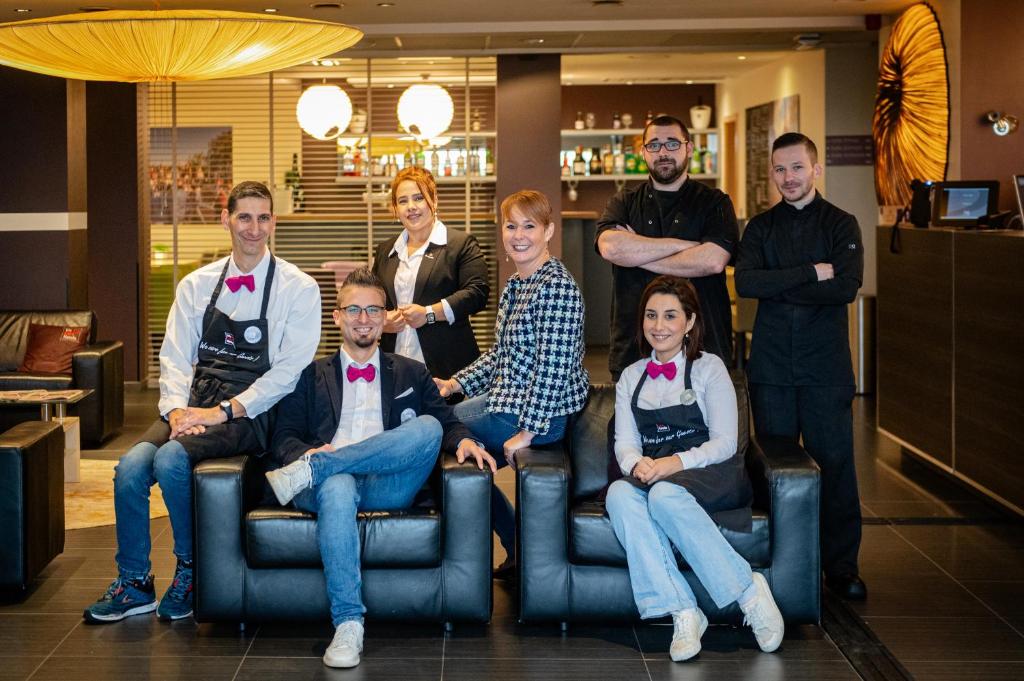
x=492 y=429
x=382 y=472
x=137 y=471
x=648 y=523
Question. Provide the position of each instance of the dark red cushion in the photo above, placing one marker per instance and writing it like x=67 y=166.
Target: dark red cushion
x=50 y=348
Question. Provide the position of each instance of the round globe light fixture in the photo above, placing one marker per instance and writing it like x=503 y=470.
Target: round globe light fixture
x=324 y=111
x=425 y=110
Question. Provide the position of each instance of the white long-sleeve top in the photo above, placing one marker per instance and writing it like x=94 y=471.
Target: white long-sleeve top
x=293 y=324
x=407 y=342
x=361 y=415
x=716 y=398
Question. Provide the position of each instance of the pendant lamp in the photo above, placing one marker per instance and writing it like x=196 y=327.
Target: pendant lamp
x=425 y=110
x=167 y=45
x=324 y=111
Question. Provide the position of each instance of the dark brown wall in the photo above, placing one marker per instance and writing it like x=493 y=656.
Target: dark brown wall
x=42 y=123
x=114 y=236
x=527 y=109
x=992 y=77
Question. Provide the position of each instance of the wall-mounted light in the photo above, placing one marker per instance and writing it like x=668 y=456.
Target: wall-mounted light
x=1002 y=124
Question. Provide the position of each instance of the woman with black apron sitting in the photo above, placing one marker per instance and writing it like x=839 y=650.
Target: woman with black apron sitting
x=675 y=442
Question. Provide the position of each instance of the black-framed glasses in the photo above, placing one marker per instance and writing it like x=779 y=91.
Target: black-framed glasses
x=372 y=311
x=671 y=145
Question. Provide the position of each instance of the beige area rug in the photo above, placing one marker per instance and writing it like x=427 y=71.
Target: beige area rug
x=90 y=503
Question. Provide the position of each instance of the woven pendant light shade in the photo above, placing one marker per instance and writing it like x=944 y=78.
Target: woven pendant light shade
x=167 y=45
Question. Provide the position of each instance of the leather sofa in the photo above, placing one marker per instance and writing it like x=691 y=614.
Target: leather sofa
x=256 y=561
x=572 y=567
x=31 y=501
x=98 y=365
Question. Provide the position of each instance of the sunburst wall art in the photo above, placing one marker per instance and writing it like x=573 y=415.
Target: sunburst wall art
x=911 y=122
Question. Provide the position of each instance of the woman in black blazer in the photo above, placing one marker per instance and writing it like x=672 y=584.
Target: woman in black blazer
x=435 y=277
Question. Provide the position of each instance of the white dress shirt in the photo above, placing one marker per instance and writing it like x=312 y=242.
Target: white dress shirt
x=407 y=342
x=361 y=415
x=716 y=398
x=293 y=324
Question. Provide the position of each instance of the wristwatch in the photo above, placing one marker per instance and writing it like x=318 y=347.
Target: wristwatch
x=225 y=407
x=430 y=316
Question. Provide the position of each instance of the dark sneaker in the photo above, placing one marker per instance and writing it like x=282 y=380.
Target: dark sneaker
x=124 y=598
x=177 y=601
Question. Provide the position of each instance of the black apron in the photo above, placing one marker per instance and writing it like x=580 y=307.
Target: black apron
x=232 y=355
x=722 y=489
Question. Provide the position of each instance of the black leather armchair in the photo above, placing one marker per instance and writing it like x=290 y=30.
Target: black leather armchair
x=258 y=562
x=98 y=366
x=572 y=567
x=31 y=500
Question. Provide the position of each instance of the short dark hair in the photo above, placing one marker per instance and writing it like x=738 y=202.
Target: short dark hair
x=683 y=290
x=663 y=120
x=362 y=276
x=249 y=190
x=792 y=139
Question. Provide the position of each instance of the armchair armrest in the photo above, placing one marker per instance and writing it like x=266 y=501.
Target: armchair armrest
x=224 y=490
x=542 y=508
x=466 y=524
x=787 y=482
x=100 y=366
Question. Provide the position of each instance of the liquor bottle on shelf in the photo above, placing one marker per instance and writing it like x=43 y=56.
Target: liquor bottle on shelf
x=695 y=162
x=641 y=165
x=616 y=121
x=348 y=166
x=595 y=162
x=579 y=124
x=579 y=166
x=630 y=162
x=377 y=166
x=566 y=168
x=709 y=162
x=460 y=164
x=435 y=163
x=619 y=162
x=489 y=166
x=607 y=160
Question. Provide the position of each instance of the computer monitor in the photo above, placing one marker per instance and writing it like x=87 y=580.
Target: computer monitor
x=964 y=203
x=1018 y=185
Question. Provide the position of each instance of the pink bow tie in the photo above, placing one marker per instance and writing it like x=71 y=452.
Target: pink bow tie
x=667 y=370
x=246 y=280
x=367 y=373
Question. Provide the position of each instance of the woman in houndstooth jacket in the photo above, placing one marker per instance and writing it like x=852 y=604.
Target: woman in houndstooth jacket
x=522 y=390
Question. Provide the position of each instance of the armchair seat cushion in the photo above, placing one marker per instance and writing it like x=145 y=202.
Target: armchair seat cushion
x=286 y=537
x=593 y=541
x=16 y=380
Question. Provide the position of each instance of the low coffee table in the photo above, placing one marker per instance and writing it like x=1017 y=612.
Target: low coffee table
x=53 y=406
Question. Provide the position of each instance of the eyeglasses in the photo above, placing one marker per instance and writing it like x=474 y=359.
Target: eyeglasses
x=372 y=311
x=655 y=147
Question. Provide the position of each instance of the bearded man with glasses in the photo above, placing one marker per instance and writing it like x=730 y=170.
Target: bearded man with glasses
x=670 y=224
x=361 y=432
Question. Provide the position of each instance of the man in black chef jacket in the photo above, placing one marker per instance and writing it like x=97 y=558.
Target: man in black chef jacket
x=671 y=224
x=804 y=261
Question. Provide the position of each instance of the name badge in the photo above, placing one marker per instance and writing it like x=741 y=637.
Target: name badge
x=253 y=334
x=688 y=397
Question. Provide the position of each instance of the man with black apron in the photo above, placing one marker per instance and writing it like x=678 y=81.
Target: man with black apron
x=240 y=331
x=804 y=261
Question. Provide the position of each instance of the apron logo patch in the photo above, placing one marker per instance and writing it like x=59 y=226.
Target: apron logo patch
x=408 y=414
x=662 y=428
x=229 y=339
x=253 y=334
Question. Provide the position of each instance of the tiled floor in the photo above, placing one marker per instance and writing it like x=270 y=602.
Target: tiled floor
x=945 y=572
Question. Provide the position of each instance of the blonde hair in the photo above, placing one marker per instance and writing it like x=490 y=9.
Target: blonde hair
x=532 y=204
x=424 y=181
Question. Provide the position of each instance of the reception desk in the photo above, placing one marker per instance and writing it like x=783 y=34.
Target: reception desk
x=950 y=333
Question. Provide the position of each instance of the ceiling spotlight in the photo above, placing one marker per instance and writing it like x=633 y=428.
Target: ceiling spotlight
x=22 y=10
x=806 y=41
x=606 y=3
x=689 y=82
x=742 y=57
x=533 y=41
x=327 y=5
x=1003 y=124
x=270 y=10
x=385 y=4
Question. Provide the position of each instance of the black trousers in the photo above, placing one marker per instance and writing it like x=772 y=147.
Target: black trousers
x=823 y=417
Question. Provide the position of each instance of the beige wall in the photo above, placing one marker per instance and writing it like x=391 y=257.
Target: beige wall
x=802 y=73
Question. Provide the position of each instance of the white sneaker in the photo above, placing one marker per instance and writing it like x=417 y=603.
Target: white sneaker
x=763 y=616
x=346 y=646
x=687 y=628
x=290 y=480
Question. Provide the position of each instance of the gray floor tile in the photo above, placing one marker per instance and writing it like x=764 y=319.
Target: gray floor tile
x=966 y=671
x=145 y=636
x=505 y=639
x=28 y=635
x=313 y=669
x=948 y=638
x=383 y=640
x=765 y=667
x=513 y=669
x=111 y=667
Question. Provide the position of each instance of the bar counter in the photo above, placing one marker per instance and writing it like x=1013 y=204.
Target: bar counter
x=950 y=342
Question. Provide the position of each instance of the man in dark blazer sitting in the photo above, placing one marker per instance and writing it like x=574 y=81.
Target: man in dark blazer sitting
x=361 y=432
